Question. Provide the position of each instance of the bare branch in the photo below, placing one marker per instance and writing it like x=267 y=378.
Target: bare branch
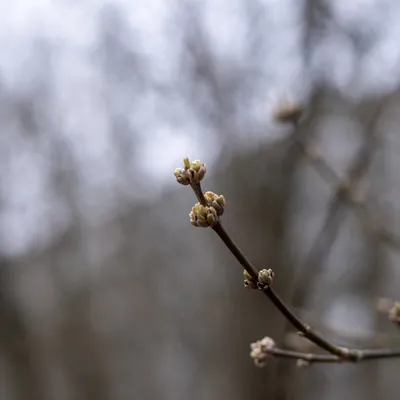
x=192 y=174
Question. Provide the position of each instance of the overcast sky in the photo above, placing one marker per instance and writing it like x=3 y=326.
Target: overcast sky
x=53 y=44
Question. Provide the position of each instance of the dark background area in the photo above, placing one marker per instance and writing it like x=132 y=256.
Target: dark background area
x=106 y=290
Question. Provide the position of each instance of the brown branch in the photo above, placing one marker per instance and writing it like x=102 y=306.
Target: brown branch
x=342 y=353
x=209 y=214
x=279 y=304
x=365 y=355
x=376 y=339
x=308 y=357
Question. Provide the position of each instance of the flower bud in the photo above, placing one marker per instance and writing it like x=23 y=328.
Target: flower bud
x=203 y=216
x=265 y=278
x=181 y=176
x=260 y=351
x=249 y=281
x=191 y=173
x=216 y=201
x=302 y=363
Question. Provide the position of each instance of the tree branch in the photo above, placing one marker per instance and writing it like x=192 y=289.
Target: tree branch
x=208 y=214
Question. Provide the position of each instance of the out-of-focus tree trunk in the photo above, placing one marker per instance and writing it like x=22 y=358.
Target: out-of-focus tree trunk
x=21 y=377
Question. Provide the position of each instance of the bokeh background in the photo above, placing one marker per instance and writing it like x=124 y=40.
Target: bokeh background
x=106 y=290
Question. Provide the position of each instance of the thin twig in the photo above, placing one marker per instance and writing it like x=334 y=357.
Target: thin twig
x=366 y=355
x=279 y=304
x=357 y=336
x=308 y=357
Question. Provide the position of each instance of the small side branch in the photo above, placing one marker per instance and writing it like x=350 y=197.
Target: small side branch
x=262 y=352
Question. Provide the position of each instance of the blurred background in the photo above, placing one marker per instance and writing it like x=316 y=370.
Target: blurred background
x=106 y=290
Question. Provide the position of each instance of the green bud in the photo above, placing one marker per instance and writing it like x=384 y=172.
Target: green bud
x=186 y=162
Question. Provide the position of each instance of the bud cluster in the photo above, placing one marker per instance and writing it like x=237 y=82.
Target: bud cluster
x=193 y=172
x=261 y=351
x=216 y=201
x=203 y=216
x=265 y=278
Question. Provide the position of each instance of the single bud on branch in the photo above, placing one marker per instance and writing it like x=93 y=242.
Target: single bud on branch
x=288 y=111
x=249 y=281
x=302 y=363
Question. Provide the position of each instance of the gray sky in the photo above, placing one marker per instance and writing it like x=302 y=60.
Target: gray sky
x=53 y=42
